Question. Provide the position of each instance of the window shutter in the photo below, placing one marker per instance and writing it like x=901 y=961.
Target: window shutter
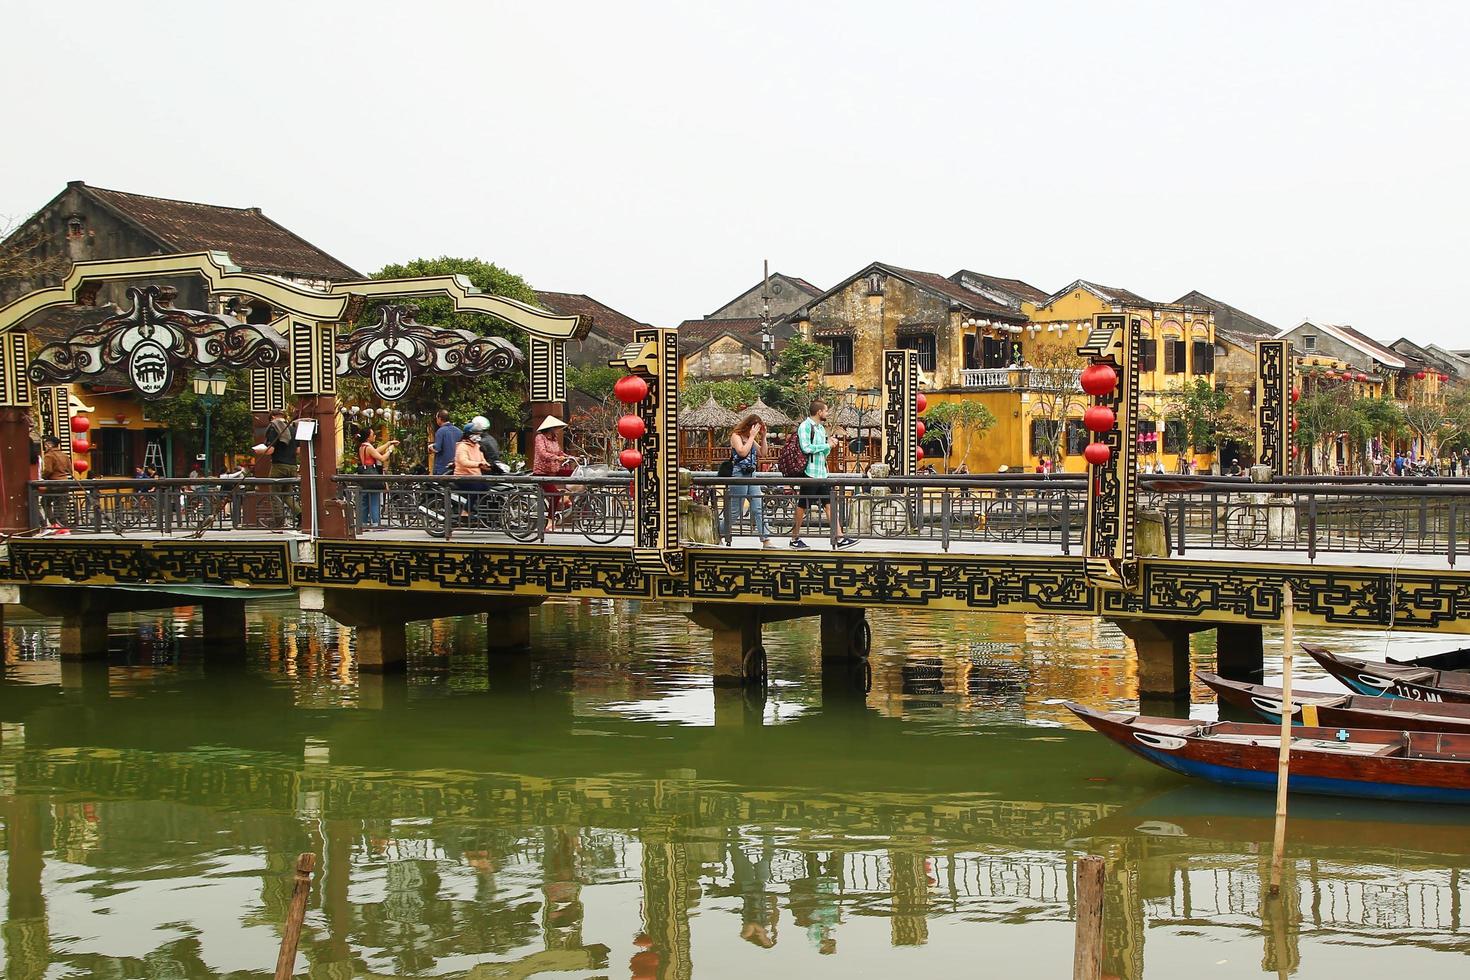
x=1202 y=352
x=1169 y=367
x=1148 y=355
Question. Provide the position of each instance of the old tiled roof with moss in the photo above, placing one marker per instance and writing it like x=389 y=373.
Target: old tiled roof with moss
x=1231 y=319
x=1018 y=288
x=605 y=320
x=696 y=334
x=254 y=242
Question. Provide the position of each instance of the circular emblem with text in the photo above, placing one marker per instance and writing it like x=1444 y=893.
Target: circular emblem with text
x=391 y=375
x=148 y=368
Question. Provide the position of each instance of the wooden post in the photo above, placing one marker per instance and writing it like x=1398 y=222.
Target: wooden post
x=286 y=962
x=1087 y=957
x=1283 y=764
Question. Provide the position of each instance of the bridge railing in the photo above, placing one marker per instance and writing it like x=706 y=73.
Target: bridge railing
x=1358 y=516
x=160 y=506
x=594 y=507
x=1044 y=513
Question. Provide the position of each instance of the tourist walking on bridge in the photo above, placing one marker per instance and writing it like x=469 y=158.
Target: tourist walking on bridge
x=812 y=437
x=746 y=442
x=445 y=443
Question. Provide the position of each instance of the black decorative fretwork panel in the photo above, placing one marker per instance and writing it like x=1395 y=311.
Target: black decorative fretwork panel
x=259 y=565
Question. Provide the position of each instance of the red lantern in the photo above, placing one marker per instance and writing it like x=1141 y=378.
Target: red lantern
x=631 y=427
x=1097 y=453
x=1362 y=377
x=630 y=389
x=80 y=423
x=1443 y=378
x=1330 y=375
x=630 y=459
x=1421 y=375
x=81 y=465
x=1296 y=394
x=1098 y=379
x=80 y=445
x=919 y=429
x=919 y=455
x=1099 y=418
x=1295 y=423
x=922 y=402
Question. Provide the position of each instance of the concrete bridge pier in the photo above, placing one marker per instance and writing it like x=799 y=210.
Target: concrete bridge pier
x=1162 y=649
x=83 y=612
x=378 y=619
x=224 y=625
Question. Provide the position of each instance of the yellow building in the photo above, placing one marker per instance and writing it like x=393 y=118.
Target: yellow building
x=1037 y=405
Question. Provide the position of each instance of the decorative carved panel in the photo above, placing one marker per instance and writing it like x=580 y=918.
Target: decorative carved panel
x=397 y=349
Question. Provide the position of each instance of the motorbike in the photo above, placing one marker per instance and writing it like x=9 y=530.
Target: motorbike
x=501 y=505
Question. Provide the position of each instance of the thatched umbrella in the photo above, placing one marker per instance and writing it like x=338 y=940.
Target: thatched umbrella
x=772 y=417
x=855 y=419
x=710 y=415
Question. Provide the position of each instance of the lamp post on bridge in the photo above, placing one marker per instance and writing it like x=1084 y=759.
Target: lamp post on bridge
x=210 y=388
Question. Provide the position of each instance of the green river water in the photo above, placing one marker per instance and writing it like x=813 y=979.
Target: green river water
x=594 y=810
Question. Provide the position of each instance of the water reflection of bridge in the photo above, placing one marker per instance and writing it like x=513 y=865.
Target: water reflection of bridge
x=462 y=855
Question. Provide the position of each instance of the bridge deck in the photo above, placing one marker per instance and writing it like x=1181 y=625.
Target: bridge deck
x=1378 y=560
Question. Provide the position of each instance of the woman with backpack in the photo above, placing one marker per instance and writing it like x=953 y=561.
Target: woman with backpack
x=746 y=442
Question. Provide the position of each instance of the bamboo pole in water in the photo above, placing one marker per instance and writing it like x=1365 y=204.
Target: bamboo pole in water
x=286 y=961
x=1087 y=957
x=1283 y=763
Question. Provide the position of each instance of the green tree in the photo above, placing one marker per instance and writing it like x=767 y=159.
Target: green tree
x=1426 y=420
x=501 y=396
x=1205 y=415
x=1319 y=415
x=230 y=428
x=593 y=380
x=954 y=422
x=732 y=393
x=798 y=377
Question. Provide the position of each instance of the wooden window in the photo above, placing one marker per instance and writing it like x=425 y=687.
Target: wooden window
x=1148 y=355
x=1078 y=437
x=1044 y=434
x=1204 y=358
x=924 y=344
x=993 y=352
x=1174 y=355
x=1174 y=437
x=972 y=358
x=839 y=357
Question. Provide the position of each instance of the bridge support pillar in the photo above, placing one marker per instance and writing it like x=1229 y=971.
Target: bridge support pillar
x=83 y=636
x=381 y=647
x=1240 y=651
x=508 y=628
x=845 y=634
x=224 y=625
x=737 y=642
x=1162 y=649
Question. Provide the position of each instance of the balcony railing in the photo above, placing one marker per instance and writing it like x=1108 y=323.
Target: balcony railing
x=1018 y=378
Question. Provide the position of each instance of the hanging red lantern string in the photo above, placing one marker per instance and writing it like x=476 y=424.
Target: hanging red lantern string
x=80 y=423
x=1098 y=379
x=630 y=459
x=81 y=465
x=921 y=402
x=630 y=389
x=1099 y=418
x=631 y=427
x=919 y=430
x=919 y=455
x=80 y=445
x=1097 y=453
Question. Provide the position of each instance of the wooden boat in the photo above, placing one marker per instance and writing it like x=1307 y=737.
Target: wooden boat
x=1408 y=679
x=1422 y=767
x=1328 y=710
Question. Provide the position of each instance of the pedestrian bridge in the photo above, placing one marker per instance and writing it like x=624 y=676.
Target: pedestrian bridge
x=1212 y=551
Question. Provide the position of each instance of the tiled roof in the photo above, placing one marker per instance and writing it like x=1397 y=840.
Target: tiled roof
x=1242 y=324
x=810 y=287
x=804 y=284
x=254 y=242
x=1108 y=294
x=604 y=319
x=1359 y=340
x=694 y=334
x=1015 y=287
x=967 y=298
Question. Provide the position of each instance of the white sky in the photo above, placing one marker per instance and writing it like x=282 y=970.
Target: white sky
x=1292 y=158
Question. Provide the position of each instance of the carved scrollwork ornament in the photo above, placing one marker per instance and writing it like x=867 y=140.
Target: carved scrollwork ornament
x=397 y=349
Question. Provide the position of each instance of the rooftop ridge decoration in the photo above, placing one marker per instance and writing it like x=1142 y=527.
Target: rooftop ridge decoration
x=155 y=342
x=397 y=349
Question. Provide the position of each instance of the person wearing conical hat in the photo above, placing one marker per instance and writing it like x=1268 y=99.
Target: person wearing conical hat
x=548 y=459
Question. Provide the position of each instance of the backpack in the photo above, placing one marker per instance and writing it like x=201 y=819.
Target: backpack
x=791 y=461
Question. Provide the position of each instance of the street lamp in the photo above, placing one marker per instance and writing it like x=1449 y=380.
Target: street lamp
x=210 y=388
